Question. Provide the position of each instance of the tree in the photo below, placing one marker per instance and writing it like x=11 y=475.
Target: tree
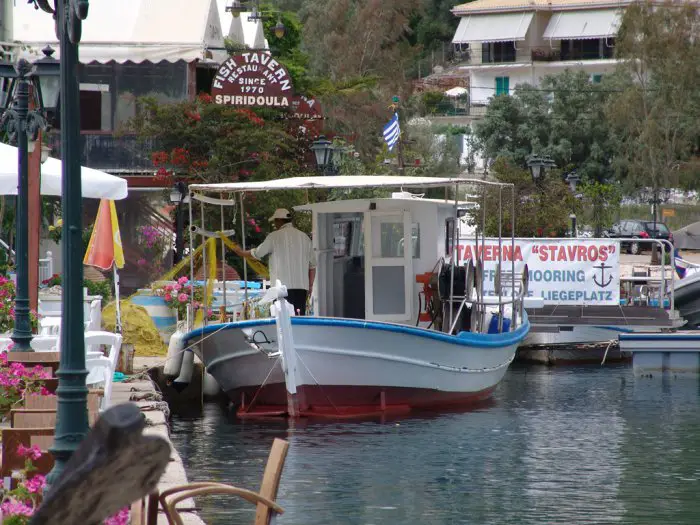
x=657 y=110
x=202 y=142
x=563 y=118
x=541 y=210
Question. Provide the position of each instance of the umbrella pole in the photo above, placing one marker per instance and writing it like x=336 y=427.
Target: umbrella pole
x=117 y=311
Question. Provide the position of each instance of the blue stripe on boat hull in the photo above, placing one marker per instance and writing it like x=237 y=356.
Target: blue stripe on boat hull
x=462 y=339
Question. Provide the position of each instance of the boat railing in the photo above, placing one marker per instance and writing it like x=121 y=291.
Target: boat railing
x=663 y=289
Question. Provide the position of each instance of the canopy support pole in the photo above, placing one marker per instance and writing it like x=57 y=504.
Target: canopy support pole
x=245 y=263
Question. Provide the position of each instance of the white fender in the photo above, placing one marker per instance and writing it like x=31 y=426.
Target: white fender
x=185 y=376
x=210 y=387
x=175 y=352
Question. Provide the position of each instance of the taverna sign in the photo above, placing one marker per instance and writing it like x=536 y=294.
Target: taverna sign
x=252 y=79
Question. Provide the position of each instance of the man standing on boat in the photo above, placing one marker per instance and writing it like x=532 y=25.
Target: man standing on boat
x=292 y=258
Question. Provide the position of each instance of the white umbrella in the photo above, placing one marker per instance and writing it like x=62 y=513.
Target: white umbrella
x=456 y=92
x=96 y=184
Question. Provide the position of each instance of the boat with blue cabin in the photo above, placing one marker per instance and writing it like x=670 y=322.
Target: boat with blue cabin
x=390 y=329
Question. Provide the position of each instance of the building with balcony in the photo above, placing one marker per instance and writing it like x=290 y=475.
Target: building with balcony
x=166 y=49
x=503 y=43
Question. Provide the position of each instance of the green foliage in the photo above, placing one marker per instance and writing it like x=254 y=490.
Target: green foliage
x=656 y=113
x=600 y=206
x=541 y=210
x=102 y=288
x=563 y=118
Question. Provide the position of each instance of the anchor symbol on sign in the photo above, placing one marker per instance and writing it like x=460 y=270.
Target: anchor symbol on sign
x=602 y=282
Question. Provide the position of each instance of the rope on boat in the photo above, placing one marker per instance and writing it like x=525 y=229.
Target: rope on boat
x=612 y=341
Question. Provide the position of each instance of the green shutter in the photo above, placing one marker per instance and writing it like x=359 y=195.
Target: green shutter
x=502 y=85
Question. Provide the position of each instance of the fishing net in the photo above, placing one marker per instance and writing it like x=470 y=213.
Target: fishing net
x=138 y=328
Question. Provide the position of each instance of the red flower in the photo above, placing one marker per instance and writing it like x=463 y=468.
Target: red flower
x=193 y=115
x=205 y=98
x=159 y=158
x=179 y=156
x=162 y=174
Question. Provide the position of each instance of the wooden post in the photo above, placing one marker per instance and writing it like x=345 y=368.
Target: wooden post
x=35 y=213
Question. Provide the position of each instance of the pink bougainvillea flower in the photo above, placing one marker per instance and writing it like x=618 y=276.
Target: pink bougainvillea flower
x=177 y=287
x=35 y=485
x=182 y=280
x=182 y=298
x=120 y=518
x=33 y=452
x=168 y=297
x=12 y=507
x=168 y=288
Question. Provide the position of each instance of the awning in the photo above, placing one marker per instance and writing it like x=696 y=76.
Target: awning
x=339 y=181
x=573 y=25
x=493 y=28
x=128 y=30
x=95 y=184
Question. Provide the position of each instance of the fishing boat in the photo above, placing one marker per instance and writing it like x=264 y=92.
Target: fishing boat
x=391 y=329
x=687 y=292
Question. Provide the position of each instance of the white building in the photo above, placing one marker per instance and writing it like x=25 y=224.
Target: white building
x=508 y=42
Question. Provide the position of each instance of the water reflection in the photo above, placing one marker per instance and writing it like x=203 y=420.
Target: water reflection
x=585 y=445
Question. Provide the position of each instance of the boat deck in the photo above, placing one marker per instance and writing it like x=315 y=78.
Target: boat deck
x=599 y=315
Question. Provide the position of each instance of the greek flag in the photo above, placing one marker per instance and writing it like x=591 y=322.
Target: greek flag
x=392 y=132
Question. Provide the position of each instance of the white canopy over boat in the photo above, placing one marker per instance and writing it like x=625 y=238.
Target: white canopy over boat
x=96 y=184
x=339 y=181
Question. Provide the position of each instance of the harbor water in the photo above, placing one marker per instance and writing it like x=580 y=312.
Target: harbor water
x=574 y=445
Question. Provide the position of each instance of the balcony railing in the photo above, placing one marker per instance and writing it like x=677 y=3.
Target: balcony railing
x=104 y=151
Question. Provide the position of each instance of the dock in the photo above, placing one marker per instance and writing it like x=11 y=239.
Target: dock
x=675 y=352
x=145 y=395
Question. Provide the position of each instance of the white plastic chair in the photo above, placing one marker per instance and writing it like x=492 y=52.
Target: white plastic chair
x=49 y=325
x=94 y=320
x=5 y=342
x=101 y=368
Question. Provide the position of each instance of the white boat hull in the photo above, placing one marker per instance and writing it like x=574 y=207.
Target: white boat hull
x=350 y=367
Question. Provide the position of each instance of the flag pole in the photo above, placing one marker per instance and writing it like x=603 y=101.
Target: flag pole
x=117 y=306
x=399 y=144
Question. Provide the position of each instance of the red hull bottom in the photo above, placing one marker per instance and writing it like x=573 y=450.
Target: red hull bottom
x=341 y=402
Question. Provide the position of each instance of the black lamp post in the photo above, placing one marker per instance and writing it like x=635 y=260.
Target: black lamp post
x=178 y=195
x=22 y=126
x=323 y=150
x=72 y=415
x=573 y=179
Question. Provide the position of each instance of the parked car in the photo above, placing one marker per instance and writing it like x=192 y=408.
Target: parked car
x=638 y=229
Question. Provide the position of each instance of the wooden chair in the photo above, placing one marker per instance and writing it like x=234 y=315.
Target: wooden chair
x=264 y=500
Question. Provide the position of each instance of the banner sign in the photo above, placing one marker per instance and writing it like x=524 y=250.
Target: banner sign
x=253 y=79
x=561 y=271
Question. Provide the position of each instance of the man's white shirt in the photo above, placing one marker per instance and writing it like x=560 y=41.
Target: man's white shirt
x=291 y=255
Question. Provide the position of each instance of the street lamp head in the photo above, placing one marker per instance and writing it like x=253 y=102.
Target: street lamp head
x=323 y=150
x=177 y=193
x=279 y=28
x=47 y=72
x=539 y=166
